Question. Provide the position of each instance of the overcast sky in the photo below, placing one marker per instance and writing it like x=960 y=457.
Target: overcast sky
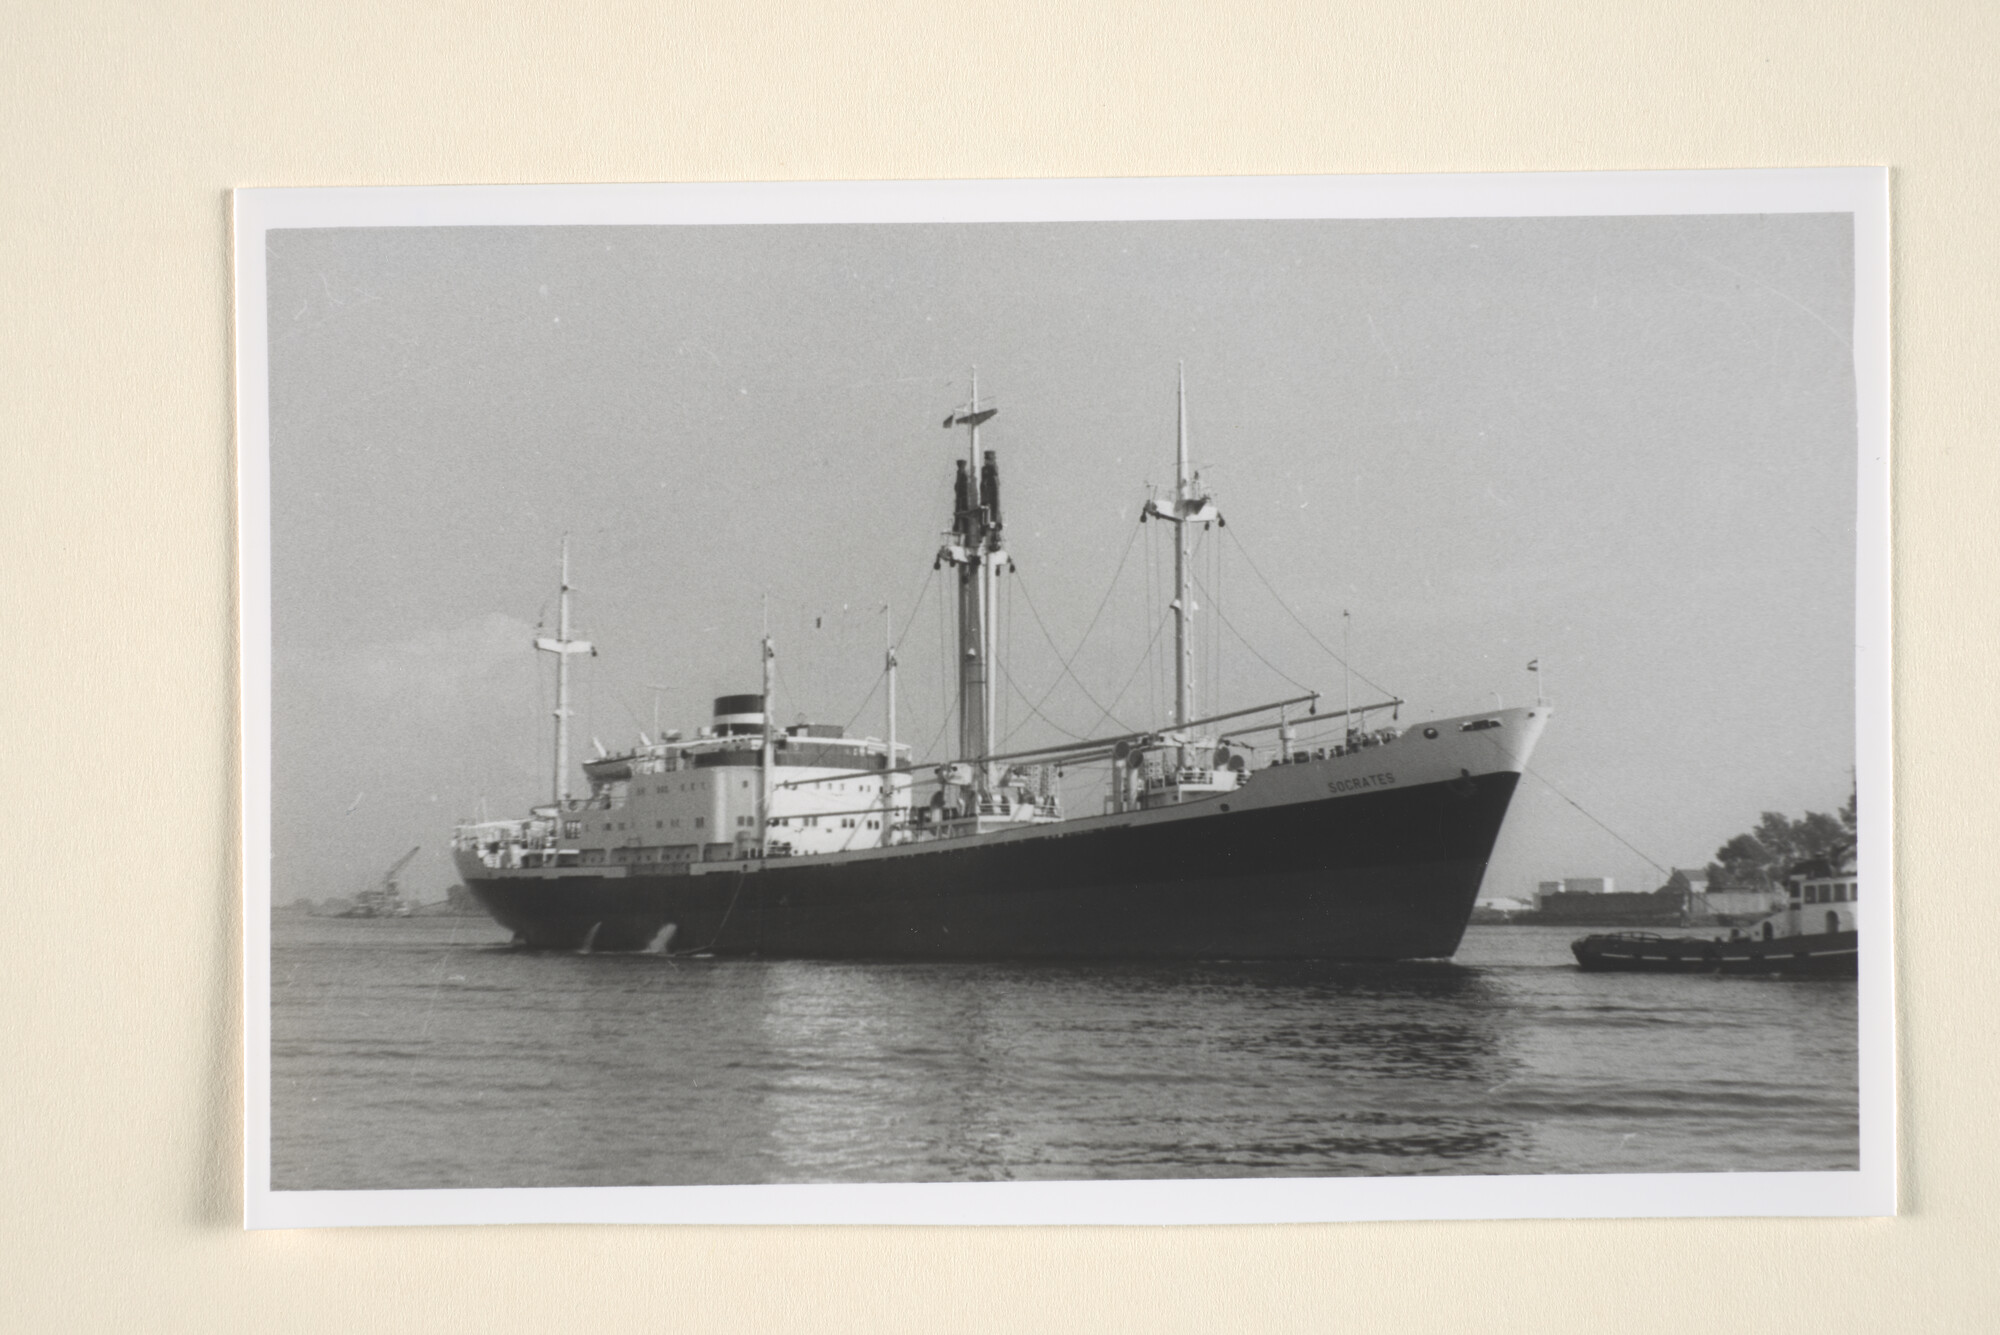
x=1625 y=447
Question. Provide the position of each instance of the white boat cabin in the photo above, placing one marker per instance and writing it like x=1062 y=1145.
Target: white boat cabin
x=674 y=801
x=1823 y=903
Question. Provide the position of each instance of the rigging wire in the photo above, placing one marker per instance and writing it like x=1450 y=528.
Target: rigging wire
x=1258 y=572
x=1208 y=646
x=883 y=675
x=862 y=708
x=1212 y=588
x=1143 y=662
x=1204 y=651
x=1155 y=605
x=1197 y=659
x=1149 y=614
x=587 y=688
x=1029 y=599
x=938 y=736
x=1215 y=634
x=1037 y=713
x=1002 y=649
x=911 y=620
x=1550 y=785
x=545 y=703
x=1598 y=823
x=1163 y=662
x=1152 y=598
x=945 y=664
x=1254 y=650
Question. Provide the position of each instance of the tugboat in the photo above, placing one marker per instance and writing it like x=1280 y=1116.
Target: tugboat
x=801 y=841
x=1814 y=936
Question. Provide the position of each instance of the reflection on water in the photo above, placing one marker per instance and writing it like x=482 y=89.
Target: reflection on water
x=422 y=1053
x=985 y=1072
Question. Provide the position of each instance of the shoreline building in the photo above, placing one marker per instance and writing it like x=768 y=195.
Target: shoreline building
x=1596 y=901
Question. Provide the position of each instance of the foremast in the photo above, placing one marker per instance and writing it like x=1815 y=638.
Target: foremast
x=1187 y=508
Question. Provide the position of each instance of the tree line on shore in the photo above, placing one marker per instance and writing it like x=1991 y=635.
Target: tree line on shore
x=1760 y=858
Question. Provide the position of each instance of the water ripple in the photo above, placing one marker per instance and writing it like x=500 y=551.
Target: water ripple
x=429 y=1053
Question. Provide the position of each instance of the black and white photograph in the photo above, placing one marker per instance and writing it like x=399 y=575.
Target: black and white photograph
x=1102 y=701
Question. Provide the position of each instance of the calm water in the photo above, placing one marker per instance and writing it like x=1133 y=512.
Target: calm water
x=425 y=1053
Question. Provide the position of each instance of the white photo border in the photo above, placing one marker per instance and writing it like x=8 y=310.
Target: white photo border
x=1862 y=192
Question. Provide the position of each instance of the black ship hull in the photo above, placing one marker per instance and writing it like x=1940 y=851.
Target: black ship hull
x=1819 y=955
x=1381 y=875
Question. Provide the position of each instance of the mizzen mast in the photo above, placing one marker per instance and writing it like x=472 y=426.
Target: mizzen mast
x=562 y=646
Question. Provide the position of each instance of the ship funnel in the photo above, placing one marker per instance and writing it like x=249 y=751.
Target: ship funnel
x=739 y=715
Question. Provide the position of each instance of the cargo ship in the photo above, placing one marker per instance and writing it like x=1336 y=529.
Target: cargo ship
x=799 y=841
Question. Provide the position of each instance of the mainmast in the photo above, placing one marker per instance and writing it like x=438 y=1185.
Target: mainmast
x=976 y=549
x=562 y=646
x=1187 y=507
